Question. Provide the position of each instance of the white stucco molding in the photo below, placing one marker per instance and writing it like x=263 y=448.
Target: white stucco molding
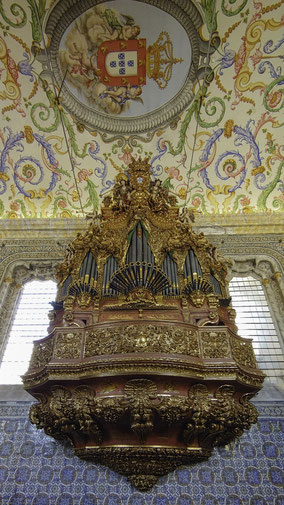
x=268 y=271
x=17 y=273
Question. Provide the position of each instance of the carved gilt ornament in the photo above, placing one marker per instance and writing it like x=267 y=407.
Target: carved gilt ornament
x=143 y=369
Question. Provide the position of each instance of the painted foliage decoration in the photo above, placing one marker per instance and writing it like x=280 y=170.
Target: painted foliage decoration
x=221 y=152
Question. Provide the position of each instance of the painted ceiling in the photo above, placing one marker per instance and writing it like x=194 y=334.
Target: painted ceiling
x=199 y=93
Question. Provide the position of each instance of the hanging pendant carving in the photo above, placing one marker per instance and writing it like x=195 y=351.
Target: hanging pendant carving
x=204 y=420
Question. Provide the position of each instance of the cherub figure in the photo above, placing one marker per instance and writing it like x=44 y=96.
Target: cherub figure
x=121 y=94
x=107 y=201
x=187 y=216
x=95 y=219
x=122 y=194
x=78 y=243
x=159 y=196
x=69 y=251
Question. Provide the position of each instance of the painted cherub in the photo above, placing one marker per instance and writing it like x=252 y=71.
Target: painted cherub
x=121 y=94
x=121 y=26
x=101 y=24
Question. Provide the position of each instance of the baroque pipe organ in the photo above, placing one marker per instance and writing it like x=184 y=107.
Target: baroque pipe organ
x=143 y=369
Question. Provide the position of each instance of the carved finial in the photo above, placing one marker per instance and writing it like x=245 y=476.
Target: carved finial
x=140 y=174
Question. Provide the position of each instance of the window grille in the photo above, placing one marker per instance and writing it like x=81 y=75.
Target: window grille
x=248 y=299
x=30 y=323
x=254 y=321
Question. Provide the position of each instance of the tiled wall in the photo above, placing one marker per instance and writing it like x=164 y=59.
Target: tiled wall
x=37 y=470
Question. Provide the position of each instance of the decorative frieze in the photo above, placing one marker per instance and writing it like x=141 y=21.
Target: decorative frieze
x=142 y=338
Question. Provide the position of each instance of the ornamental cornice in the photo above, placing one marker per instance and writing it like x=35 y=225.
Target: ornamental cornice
x=39 y=228
x=241 y=224
x=257 y=224
x=251 y=246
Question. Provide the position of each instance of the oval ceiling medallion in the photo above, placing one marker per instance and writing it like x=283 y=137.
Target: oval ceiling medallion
x=125 y=67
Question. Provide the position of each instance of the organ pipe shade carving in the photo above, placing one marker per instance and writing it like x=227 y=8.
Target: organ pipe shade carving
x=139 y=274
x=143 y=369
x=216 y=285
x=194 y=280
x=139 y=249
x=65 y=285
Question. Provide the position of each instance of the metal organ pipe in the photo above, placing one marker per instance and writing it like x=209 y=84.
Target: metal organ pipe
x=110 y=267
x=170 y=268
x=65 y=286
x=216 y=285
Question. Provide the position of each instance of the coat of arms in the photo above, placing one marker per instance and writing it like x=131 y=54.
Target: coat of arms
x=106 y=60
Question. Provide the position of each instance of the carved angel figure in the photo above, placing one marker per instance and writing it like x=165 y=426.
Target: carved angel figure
x=122 y=195
x=158 y=196
x=186 y=216
x=95 y=220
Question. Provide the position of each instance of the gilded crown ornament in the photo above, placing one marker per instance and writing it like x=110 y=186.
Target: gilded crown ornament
x=142 y=369
x=160 y=60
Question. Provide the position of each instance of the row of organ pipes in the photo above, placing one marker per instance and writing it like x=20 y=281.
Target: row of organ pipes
x=140 y=271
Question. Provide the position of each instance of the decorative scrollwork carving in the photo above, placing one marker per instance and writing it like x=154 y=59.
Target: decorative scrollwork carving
x=55 y=414
x=68 y=345
x=217 y=419
x=109 y=409
x=39 y=412
x=63 y=413
x=172 y=409
x=223 y=422
x=142 y=465
x=84 y=405
x=215 y=344
x=199 y=403
x=62 y=409
x=142 y=338
x=243 y=352
x=211 y=419
x=248 y=412
x=42 y=353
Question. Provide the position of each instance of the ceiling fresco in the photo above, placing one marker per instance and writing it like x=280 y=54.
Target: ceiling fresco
x=115 y=75
x=195 y=87
x=118 y=61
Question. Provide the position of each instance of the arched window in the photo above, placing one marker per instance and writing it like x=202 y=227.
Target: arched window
x=30 y=323
x=254 y=320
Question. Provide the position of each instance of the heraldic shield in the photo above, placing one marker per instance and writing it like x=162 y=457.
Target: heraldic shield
x=122 y=62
